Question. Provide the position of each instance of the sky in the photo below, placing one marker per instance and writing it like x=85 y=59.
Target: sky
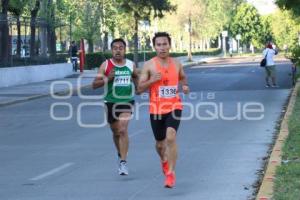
x=264 y=7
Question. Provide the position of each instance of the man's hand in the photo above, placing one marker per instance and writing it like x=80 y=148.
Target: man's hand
x=155 y=76
x=111 y=75
x=185 y=89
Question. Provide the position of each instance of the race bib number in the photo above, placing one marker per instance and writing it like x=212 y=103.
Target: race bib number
x=122 y=81
x=167 y=91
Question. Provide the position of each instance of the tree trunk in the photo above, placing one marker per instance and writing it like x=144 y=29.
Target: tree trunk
x=51 y=31
x=19 y=40
x=208 y=44
x=33 y=13
x=43 y=31
x=91 y=46
x=32 y=37
x=4 y=32
x=136 y=40
x=105 y=41
x=52 y=42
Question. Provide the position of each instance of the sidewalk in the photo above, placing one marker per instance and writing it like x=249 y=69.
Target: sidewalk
x=22 y=93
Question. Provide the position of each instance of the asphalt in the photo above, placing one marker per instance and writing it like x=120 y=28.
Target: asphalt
x=219 y=158
x=23 y=93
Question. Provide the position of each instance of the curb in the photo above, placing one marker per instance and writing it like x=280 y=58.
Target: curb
x=194 y=64
x=39 y=96
x=7 y=103
x=266 y=188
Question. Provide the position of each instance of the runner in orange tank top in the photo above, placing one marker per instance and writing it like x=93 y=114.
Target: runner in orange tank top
x=164 y=96
x=162 y=75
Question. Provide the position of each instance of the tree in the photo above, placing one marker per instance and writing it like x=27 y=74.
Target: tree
x=33 y=13
x=17 y=8
x=142 y=10
x=51 y=26
x=292 y=5
x=4 y=32
x=111 y=19
x=265 y=33
x=208 y=19
x=285 y=29
x=247 y=23
x=68 y=12
x=88 y=26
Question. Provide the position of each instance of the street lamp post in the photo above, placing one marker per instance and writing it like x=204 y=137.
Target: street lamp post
x=146 y=27
x=190 y=38
x=224 y=35
x=238 y=37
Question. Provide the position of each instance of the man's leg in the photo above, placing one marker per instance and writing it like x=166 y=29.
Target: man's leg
x=159 y=131
x=171 y=156
x=171 y=148
x=273 y=75
x=116 y=137
x=268 y=73
x=172 y=124
x=123 y=134
x=161 y=150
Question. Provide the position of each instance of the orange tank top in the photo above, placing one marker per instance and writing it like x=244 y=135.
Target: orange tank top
x=164 y=96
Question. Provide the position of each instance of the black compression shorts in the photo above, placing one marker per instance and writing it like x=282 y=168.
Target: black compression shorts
x=160 y=123
x=113 y=110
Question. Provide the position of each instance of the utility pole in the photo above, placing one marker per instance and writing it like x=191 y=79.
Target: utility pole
x=224 y=35
x=190 y=38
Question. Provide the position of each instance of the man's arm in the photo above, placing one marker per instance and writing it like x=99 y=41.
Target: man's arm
x=183 y=79
x=135 y=76
x=99 y=81
x=147 y=78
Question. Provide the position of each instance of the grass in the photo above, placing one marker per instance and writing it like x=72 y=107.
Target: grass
x=287 y=182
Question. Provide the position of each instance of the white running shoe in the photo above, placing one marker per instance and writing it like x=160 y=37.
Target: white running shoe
x=123 y=169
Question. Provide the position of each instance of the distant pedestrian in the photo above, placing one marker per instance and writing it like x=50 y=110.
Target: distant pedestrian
x=73 y=51
x=270 y=67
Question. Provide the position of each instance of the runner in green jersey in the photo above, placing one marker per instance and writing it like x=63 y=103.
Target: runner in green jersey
x=119 y=77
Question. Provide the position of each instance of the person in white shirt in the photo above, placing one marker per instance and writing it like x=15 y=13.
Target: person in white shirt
x=270 y=68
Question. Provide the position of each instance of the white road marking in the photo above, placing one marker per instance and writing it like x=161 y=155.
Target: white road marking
x=51 y=172
x=232 y=65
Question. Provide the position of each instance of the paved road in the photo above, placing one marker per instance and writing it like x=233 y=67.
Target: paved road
x=42 y=158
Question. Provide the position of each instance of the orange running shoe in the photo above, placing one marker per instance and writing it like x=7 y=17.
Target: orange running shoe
x=165 y=167
x=170 y=180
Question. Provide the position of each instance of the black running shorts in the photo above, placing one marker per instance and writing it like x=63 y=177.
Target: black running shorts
x=160 y=123
x=113 y=110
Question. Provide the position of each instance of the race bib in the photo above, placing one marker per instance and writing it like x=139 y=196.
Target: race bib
x=122 y=80
x=167 y=91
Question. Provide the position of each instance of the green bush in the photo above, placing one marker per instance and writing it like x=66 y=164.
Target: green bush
x=94 y=60
x=295 y=55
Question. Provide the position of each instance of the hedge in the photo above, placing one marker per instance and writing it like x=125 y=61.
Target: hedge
x=94 y=60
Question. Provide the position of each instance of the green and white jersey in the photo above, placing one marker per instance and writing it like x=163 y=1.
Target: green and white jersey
x=121 y=89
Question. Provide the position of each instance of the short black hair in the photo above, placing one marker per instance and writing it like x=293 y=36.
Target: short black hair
x=161 y=34
x=117 y=40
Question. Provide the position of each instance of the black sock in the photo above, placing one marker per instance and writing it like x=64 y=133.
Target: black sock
x=124 y=161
